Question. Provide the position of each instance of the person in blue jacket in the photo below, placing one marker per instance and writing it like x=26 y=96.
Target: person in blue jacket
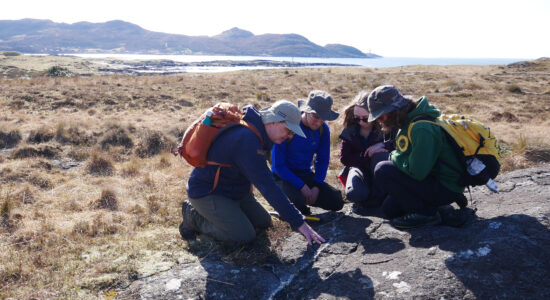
x=293 y=160
x=230 y=212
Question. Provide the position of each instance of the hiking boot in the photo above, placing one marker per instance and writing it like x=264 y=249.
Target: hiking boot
x=462 y=201
x=453 y=217
x=187 y=228
x=415 y=220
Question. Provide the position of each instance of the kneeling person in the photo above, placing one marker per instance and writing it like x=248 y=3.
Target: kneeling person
x=229 y=212
x=292 y=160
x=421 y=175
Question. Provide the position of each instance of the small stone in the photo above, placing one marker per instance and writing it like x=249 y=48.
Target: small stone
x=173 y=284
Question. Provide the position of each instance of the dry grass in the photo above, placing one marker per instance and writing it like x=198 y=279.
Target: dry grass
x=105 y=206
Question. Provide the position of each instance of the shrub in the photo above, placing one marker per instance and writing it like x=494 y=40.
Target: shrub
x=45 y=151
x=98 y=165
x=9 y=139
x=11 y=53
x=164 y=161
x=71 y=135
x=107 y=200
x=131 y=168
x=153 y=143
x=57 y=71
x=514 y=89
x=26 y=195
x=262 y=96
x=41 y=135
x=116 y=137
x=5 y=210
x=79 y=154
x=40 y=181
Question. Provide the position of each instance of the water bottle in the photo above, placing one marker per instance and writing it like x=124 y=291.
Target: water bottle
x=492 y=186
x=208 y=118
x=474 y=166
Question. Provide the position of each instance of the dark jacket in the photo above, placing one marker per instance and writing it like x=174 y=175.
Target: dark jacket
x=354 y=145
x=241 y=148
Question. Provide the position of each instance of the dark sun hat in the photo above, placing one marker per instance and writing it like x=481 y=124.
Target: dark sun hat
x=319 y=102
x=385 y=99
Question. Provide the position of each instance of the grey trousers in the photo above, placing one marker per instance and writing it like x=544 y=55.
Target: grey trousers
x=229 y=220
x=357 y=186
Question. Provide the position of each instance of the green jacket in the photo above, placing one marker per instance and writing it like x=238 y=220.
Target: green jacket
x=418 y=158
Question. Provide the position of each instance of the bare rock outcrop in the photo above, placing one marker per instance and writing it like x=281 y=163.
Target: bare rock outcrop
x=502 y=252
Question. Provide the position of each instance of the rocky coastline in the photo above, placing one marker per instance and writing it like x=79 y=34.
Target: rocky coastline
x=175 y=67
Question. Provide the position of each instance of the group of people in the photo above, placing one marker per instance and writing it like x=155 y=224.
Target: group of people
x=382 y=166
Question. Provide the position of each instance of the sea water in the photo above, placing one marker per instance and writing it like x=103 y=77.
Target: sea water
x=383 y=62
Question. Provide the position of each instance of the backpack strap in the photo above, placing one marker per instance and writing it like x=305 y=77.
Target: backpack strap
x=220 y=165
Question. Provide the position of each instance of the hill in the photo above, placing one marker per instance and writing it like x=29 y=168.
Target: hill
x=45 y=36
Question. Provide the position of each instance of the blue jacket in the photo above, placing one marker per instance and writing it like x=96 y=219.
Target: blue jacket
x=241 y=148
x=298 y=156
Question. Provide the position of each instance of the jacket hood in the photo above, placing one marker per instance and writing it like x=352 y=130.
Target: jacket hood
x=252 y=116
x=423 y=109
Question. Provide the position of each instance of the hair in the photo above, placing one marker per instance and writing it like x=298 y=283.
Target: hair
x=361 y=101
x=398 y=118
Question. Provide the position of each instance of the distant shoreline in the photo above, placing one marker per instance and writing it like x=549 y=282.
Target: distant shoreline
x=380 y=62
x=17 y=65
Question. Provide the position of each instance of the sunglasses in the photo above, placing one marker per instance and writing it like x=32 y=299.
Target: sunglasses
x=364 y=119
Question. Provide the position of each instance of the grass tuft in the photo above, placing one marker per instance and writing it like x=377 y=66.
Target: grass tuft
x=26 y=152
x=99 y=165
x=153 y=143
x=107 y=200
x=116 y=136
x=41 y=135
x=9 y=139
x=72 y=135
x=514 y=89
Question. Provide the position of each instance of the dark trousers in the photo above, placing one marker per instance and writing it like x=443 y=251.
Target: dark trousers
x=329 y=197
x=405 y=195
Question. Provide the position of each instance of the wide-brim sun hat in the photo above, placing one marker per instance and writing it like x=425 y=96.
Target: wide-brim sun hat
x=283 y=110
x=319 y=102
x=385 y=99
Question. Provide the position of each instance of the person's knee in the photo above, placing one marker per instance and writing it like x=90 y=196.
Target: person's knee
x=337 y=202
x=383 y=167
x=355 y=195
x=264 y=222
x=242 y=236
x=357 y=191
x=386 y=170
x=339 y=205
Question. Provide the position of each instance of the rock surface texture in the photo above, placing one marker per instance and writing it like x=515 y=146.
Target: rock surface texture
x=502 y=252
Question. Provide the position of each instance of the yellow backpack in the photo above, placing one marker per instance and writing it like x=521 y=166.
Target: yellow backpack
x=473 y=142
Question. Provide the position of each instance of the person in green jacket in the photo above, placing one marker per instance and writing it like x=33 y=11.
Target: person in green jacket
x=420 y=175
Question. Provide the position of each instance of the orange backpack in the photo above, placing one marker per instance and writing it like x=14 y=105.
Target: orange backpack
x=198 y=137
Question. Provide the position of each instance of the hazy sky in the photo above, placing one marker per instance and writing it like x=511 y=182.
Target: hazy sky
x=399 y=28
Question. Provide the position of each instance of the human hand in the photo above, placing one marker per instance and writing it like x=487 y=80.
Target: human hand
x=376 y=148
x=310 y=234
x=314 y=195
x=307 y=193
